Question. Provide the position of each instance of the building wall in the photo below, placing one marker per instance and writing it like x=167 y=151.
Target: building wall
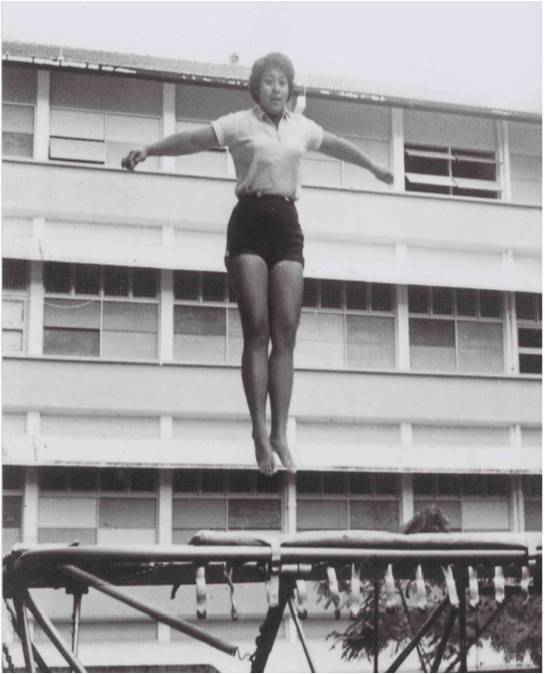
x=418 y=358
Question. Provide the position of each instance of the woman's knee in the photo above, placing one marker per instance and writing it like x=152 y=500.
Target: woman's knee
x=256 y=330
x=283 y=334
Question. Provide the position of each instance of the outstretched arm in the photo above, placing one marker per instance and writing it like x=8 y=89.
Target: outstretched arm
x=333 y=146
x=185 y=142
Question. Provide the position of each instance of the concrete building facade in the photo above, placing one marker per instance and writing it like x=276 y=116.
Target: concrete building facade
x=418 y=361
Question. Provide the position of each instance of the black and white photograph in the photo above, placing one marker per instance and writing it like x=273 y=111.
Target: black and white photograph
x=271 y=336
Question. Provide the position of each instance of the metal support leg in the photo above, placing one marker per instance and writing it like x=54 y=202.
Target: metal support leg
x=76 y=613
x=40 y=662
x=461 y=589
x=269 y=629
x=480 y=632
x=300 y=634
x=444 y=639
x=153 y=611
x=22 y=619
x=418 y=636
x=411 y=627
x=53 y=634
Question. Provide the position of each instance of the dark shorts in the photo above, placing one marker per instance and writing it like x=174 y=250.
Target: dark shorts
x=267 y=226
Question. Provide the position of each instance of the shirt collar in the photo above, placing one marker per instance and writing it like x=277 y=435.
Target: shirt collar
x=263 y=116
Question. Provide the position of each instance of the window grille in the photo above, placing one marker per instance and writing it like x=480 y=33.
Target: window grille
x=84 y=321
x=213 y=287
x=331 y=294
x=450 y=170
x=186 y=285
x=381 y=297
x=15 y=274
x=337 y=500
x=455 y=329
x=310 y=292
x=13 y=478
x=529 y=330
x=356 y=295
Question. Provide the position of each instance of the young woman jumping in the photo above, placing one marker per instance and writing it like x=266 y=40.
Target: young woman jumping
x=264 y=252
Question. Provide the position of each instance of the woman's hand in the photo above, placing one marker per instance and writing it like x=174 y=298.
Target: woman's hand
x=133 y=158
x=384 y=175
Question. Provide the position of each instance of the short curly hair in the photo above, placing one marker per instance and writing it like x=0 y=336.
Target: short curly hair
x=273 y=60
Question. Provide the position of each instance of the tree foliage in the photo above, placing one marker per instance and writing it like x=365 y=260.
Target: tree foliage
x=516 y=632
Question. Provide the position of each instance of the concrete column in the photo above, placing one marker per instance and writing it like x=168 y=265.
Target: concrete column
x=397 y=150
x=505 y=160
x=402 y=345
x=166 y=315
x=164 y=514
x=516 y=504
x=29 y=524
x=169 y=122
x=42 y=119
x=35 y=324
x=406 y=496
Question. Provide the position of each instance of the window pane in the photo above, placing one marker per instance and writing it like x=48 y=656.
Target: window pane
x=533 y=515
x=116 y=281
x=213 y=481
x=473 y=485
x=53 y=479
x=331 y=294
x=530 y=338
x=490 y=303
x=87 y=279
x=442 y=301
x=114 y=479
x=481 y=515
x=199 y=333
x=418 y=300
x=448 y=485
x=319 y=514
x=11 y=511
x=199 y=513
x=360 y=483
x=12 y=341
x=466 y=302
x=17 y=144
x=18 y=118
x=143 y=479
x=497 y=485
x=144 y=283
x=356 y=296
x=71 y=342
x=386 y=483
x=268 y=484
x=381 y=297
x=130 y=317
x=532 y=485
x=235 y=341
x=186 y=285
x=186 y=481
x=13 y=477
x=424 y=485
x=57 y=277
x=370 y=342
x=480 y=347
x=432 y=345
x=308 y=483
x=68 y=535
x=213 y=287
x=320 y=341
x=142 y=345
x=254 y=514
x=452 y=510
x=374 y=515
x=334 y=483
x=529 y=363
x=61 y=313
x=310 y=292
x=241 y=481
x=127 y=513
x=84 y=479
x=526 y=306
x=14 y=274
x=74 y=149
x=77 y=124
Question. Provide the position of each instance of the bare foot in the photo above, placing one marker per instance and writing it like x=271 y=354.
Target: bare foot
x=280 y=446
x=264 y=455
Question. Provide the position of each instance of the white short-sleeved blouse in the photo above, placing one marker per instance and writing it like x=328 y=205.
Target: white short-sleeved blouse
x=267 y=159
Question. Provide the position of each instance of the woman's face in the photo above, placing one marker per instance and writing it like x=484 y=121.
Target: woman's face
x=273 y=92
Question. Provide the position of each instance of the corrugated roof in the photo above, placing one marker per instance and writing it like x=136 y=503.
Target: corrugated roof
x=225 y=75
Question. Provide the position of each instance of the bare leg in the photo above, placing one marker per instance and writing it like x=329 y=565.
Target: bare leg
x=249 y=276
x=285 y=298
